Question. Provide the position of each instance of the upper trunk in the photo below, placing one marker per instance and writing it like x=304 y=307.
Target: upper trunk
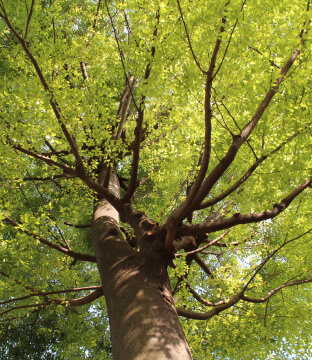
x=143 y=320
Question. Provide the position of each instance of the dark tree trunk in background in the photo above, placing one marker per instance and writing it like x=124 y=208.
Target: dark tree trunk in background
x=143 y=320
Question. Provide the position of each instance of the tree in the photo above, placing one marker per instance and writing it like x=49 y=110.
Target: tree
x=176 y=135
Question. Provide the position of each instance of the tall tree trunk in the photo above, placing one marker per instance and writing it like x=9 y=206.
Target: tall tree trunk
x=143 y=320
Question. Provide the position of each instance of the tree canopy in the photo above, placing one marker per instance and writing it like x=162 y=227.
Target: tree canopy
x=203 y=109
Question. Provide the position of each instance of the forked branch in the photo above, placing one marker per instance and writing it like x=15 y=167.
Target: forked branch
x=47 y=293
x=189 y=40
x=87 y=299
x=245 y=177
x=138 y=130
x=29 y=18
x=240 y=139
x=236 y=219
x=62 y=249
x=276 y=290
x=207 y=315
x=53 y=103
x=241 y=295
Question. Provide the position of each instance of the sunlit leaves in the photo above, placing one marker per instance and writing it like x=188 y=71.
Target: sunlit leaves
x=127 y=38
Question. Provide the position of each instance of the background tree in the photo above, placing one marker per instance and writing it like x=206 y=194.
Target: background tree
x=189 y=121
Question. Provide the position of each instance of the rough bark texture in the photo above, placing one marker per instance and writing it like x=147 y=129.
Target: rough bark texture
x=143 y=320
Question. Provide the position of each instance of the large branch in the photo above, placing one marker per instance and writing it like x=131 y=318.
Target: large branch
x=241 y=295
x=175 y=219
x=276 y=290
x=81 y=301
x=47 y=293
x=43 y=158
x=124 y=105
x=207 y=315
x=49 y=243
x=245 y=177
x=239 y=140
x=236 y=219
x=93 y=185
x=46 y=87
x=138 y=129
x=64 y=302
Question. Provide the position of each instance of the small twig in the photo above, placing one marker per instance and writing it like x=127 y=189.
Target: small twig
x=259 y=52
x=228 y=44
x=29 y=18
x=189 y=40
x=97 y=14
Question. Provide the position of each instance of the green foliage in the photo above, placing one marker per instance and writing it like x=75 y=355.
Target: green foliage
x=255 y=45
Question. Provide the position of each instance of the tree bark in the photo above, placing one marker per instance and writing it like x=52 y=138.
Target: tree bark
x=143 y=320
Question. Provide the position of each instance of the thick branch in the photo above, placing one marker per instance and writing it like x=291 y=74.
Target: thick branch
x=203 y=265
x=81 y=301
x=186 y=208
x=124 y=105
x=138 y=130
x=237 y=219
x=207 y=315
x=47 y=160
x=276 y=290
x=53 y=103
x=239 y=140
x=52 y=245
x=41 y=293
x=84 y=70
x=245 y=177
